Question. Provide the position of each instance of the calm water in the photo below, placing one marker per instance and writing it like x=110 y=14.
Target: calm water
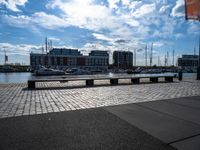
x=15 y=77
x=23 y=77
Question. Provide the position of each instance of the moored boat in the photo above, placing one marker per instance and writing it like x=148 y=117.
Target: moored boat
x=48 y=71
x=77 y=71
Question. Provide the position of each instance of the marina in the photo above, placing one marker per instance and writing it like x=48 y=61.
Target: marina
x=99 y=75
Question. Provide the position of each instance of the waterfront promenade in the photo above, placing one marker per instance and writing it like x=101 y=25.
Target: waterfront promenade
x=69 y=115
x=17 y=100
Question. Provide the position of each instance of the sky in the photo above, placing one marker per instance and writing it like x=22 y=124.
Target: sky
x=110 y=25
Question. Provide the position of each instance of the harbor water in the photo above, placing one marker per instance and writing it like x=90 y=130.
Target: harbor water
x=6 y=78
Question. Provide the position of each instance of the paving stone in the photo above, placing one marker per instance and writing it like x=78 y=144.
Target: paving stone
x=16 y=100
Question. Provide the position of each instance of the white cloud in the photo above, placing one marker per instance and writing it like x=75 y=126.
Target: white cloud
x=13 y=4
x=102 y=37
x=39 y=19
x=133 y=22
x=178 y=9
x=113 y=3
x=54 y=39
x=135 y=4
x=93 y=46
x=144 y=10
x=164 y=9
x=125 y=2
x=48 y=21
x=18 y=21
x=128 y=19
x=122 y=19
x=20 y=49
x=85 y=14
x=158 y=44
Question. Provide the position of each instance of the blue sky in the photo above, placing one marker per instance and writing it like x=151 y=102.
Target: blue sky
x=96 y=24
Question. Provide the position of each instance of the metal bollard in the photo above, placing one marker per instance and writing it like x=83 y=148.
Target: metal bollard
x=180 y=75
x=198 y=73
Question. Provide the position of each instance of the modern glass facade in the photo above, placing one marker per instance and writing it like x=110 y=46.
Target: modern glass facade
x=122 y=59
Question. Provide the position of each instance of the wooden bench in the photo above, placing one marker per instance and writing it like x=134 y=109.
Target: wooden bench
x=113 y=80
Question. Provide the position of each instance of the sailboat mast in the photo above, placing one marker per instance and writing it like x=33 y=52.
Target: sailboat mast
x=151 y=55
x=46 y=44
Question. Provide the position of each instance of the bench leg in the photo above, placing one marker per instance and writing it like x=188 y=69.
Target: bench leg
x=154 y=79
x=135 y=80
x=169 y=79
x=89 y=82
x=113 y=81
x=31 y=84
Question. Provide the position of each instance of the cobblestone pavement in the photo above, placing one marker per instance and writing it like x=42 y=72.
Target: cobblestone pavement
x=17 y=100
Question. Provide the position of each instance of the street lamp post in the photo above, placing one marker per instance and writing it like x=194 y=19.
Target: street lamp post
x=134 y=57
x=198 y=68
x=146 y=55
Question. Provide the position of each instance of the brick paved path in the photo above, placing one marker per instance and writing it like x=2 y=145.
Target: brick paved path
x=16 y=100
